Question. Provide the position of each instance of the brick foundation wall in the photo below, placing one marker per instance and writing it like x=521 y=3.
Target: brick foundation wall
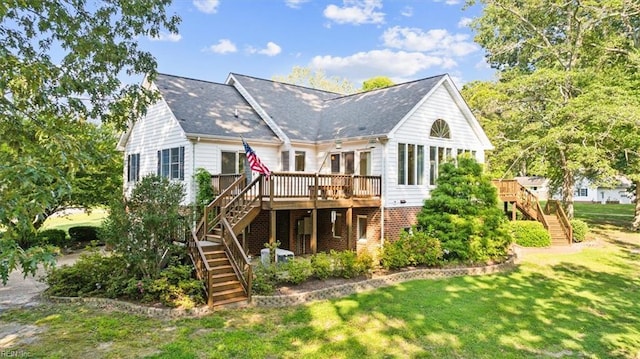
x=397 y=219
x=258 y=233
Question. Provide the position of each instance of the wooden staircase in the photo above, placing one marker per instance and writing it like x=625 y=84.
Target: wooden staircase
x=552 y=216
x=215 y=250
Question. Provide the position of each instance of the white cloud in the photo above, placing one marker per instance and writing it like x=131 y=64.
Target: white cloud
x=207 y=6
x=164 y=36
x=395 y=64
x=449 y=2
x=435 y=41
x=272 y=49
x=355 y=12
x=224 y=46
x=464 y=22
x=295 y=4
x=482 y=64
x=407 y=11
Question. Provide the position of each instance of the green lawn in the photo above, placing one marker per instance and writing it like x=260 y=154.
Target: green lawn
x=64 y=222
x=603 y=215
x=556 y=306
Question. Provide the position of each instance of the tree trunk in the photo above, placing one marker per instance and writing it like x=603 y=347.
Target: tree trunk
x=568 y=183
x=636 y=214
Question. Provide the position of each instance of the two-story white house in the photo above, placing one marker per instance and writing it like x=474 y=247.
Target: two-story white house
x=349 y=171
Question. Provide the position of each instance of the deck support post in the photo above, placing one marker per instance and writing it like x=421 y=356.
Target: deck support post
x=272 y=227
x=314 y=231
x=514 y=209
x=350 y=240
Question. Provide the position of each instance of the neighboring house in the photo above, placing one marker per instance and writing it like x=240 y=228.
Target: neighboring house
x=387 y=144
x=537 y=185
x=586 y=191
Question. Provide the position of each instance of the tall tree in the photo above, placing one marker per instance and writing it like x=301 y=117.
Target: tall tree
x=559 y=61
x=377 y=82
x=61 y=63
x=317 y=79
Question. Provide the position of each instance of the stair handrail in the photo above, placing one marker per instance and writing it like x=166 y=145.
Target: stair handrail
x=203 y=270
x=523 y=196
x=554 y=207
x=220 y=201
x=241 y=202
x=238 y=259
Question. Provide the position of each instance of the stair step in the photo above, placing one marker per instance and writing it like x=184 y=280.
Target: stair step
x=228 y=294
x=218 y=287
x=223 y=277
x=218 y=261
x=222 y=269
x=226 y=302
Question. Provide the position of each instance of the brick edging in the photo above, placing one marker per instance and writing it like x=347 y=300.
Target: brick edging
x=294 y=299
x=374 y=283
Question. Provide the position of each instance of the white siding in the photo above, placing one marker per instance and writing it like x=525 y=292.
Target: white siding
x=157 y=130
x=416 y=130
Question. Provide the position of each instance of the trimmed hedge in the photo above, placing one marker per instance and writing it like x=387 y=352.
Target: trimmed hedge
x=580 y=230
x=83 y=234
x=530 y=234
x=54 y=237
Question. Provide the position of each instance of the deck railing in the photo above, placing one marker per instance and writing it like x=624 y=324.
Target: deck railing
x=223 y=181
x=513 y=191
x=297 y=185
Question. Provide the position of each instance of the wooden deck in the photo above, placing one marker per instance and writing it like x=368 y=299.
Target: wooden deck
x=296 y=190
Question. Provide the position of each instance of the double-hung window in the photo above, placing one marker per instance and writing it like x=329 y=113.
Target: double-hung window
x=171 y=163
x=133 y=167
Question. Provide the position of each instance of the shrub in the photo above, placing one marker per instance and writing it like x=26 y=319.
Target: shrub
x=530 y=234
x=93 y=274
x=364 y=263
x=142 y=228
x=175 y=288
x=97 y=275
x=321 y=264
x=54 y=237
x=264 y=279
x=463 y=213
x=83 y=234
x=394 y=255
x=580 y=230
x=415 y=248
x=298 y=270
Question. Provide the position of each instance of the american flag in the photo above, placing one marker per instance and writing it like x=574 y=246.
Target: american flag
x=254 y=161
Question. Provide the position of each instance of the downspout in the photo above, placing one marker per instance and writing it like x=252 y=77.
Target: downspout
x=194 y=210
x=383 y=141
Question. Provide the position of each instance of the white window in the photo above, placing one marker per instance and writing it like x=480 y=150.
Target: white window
x=410 y=164
x=440 y=129
x=299 y=161
x=362 y=227
x=336 y=227
x=133 y=167
x=171 y=163
x=437 y=156
x=232 y=162
x=284 y=160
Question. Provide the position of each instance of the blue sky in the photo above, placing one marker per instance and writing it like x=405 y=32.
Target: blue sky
x=352 y=39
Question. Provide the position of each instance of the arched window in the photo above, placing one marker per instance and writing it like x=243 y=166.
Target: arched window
x=440 y=129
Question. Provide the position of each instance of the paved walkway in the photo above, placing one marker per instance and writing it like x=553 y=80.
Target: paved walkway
x=20 y=291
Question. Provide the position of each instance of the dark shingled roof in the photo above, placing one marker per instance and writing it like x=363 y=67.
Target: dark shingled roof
x=208 y=108
x=304 y=114
x=375 y=112
x=295 y=109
